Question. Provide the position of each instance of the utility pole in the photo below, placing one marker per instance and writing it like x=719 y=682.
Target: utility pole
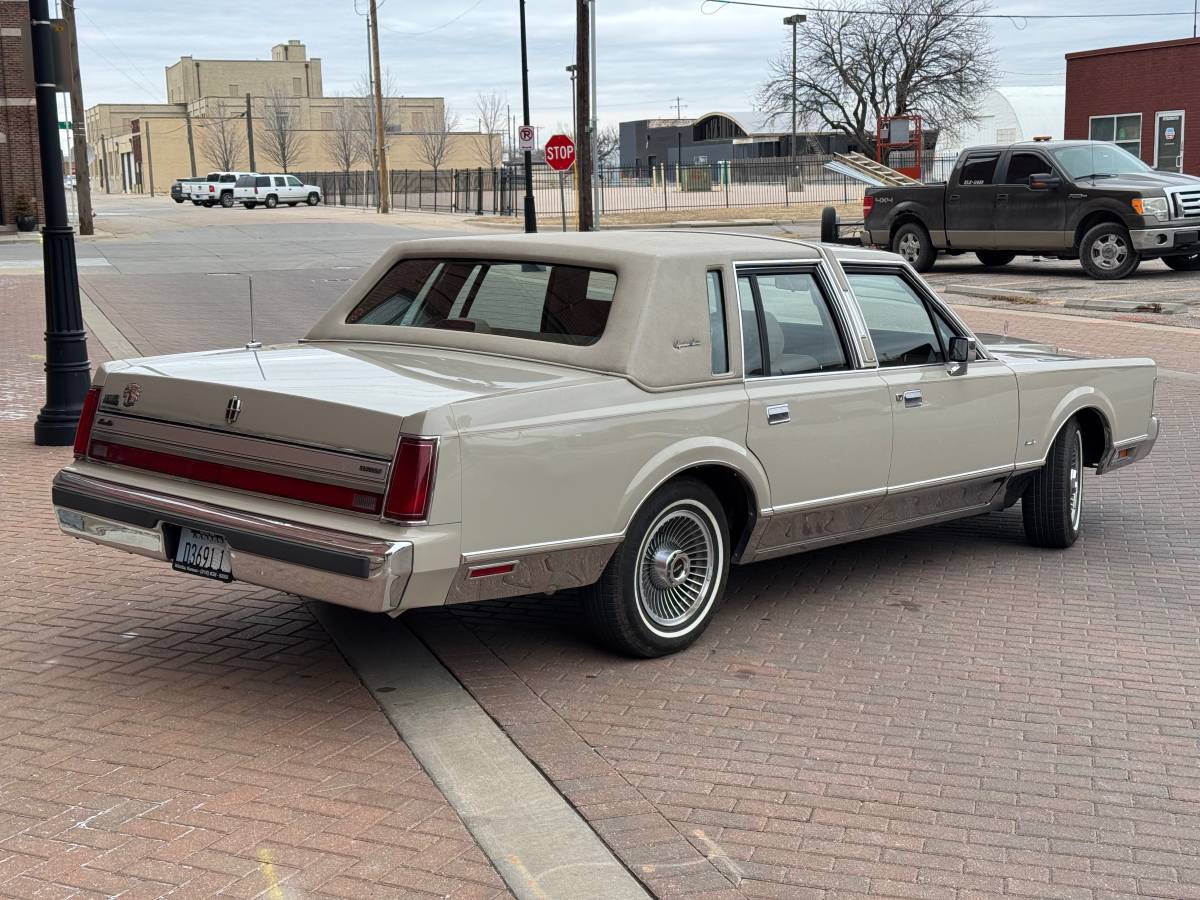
x=583 y=115
x=530 y=211
x=794 y=21
x=83 y=176
x=592 y=103
x=384 y=192
x=679 y=107
x=250 y=133
x=68 y=371
x=104 y=180
x=187 y=113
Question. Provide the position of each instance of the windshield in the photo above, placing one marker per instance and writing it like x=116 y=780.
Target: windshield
x=1099 y=159
x=564 y=304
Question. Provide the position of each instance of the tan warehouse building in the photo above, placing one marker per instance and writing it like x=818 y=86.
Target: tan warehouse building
x=292 y=124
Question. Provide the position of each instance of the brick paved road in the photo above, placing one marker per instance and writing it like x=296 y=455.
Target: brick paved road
x=945 y=713
x=167 y=736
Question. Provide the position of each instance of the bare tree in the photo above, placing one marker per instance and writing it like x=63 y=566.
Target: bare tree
x=364 y=117
x=607 y=146
x=283 y=140
x=867 y=60
x=223 y=143
x=342 y=142
x=433 y=144
x=491 y=111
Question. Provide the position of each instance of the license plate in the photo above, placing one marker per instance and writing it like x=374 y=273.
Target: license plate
x=201 y=553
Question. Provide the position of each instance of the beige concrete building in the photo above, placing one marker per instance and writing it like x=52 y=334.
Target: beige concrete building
x=139 y=147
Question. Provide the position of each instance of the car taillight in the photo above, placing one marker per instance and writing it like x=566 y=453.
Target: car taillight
x=83 y=431
x=411 y=482
x=211 y=189
x=868 y=205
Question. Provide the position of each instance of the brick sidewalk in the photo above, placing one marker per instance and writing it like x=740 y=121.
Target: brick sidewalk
x=163 y=735
x=947 y=713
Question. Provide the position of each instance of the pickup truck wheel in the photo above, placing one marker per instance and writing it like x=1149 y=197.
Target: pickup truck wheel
x=1107 y=253
x=1183 y=263
x=207 y=204
x=1052 y=505
x=249 y=204
x=227 y=201
x=995 y=257
x=272 y=201
x=664 y=583
x=829 y=225
x=912 y=242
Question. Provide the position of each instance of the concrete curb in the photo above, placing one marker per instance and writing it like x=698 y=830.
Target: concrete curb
x=537 y=842
x=102 y=328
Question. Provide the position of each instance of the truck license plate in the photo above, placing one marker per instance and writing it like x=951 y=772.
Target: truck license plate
x=201 y=553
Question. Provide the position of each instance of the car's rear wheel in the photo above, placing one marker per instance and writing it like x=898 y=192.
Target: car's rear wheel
x=664 y=583
x=995 y=257
x=1052 y=505
x=293 y=202
x=1183 y=263
x=314 y=198
x=195 y=203
x=912 y=242
x=272 y=201
x=249 y=204
x=207 y=204
x=227 y=201
x=177 y=199
x=1106 y=252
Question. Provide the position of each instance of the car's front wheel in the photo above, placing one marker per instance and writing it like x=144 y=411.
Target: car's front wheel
x=272 y=201
x=913 y=243
x=1183 y=263
x=995 y=257
x=1106 y=252
x=314 y=198
x=1052 y=505
x=665 y=581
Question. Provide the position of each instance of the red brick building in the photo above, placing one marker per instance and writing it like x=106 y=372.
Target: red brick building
x=20 y=170
x=1145 y=97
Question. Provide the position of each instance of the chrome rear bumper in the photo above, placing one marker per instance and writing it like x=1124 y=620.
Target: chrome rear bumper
x=336 y=566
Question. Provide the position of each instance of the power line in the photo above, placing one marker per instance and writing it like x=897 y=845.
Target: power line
x=445 y=24
x=147 y=82
x=721 y=4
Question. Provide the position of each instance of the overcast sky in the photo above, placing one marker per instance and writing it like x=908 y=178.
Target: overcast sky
x=649 y=51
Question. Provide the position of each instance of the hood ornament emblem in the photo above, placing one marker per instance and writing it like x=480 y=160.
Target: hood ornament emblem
x=131 y=395
x=233 y=409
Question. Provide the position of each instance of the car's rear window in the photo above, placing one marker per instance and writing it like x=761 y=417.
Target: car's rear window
x=245 y=181
x=538 y=301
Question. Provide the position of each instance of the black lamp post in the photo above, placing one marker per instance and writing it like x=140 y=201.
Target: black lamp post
x=68 y=372
x=530 y=212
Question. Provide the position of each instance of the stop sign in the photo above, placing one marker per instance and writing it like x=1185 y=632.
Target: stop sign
x=560 y=153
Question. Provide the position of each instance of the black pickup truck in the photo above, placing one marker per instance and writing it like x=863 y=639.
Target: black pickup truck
x=1082 y=200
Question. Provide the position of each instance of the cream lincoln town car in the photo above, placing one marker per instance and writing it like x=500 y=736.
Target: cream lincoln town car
x=629 y=413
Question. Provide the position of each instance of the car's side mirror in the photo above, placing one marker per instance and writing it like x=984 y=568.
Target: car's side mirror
x=960 y=351
x=1044 y=182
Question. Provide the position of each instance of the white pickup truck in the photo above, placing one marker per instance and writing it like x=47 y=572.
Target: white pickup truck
x=217 y=187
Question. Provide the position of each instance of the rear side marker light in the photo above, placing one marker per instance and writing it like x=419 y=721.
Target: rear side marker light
x=411 y=482
x=494 y=569
x=83 y=431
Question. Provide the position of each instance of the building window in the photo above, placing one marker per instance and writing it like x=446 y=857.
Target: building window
x=298 y=87
x=235 y=90
x=1125 y=131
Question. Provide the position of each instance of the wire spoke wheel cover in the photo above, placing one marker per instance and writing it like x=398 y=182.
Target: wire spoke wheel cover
x=1075 y=481
x=678 y=565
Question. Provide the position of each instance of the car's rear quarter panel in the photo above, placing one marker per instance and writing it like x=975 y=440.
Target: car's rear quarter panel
x=575 y=462
x=1053 y=390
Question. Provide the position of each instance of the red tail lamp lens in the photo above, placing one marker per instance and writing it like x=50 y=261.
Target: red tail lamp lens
x=411 y=482
x=868 y=205
x=83 y=431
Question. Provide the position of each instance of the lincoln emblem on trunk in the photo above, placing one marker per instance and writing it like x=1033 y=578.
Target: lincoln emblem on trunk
x=233 y=409
x=131 y=394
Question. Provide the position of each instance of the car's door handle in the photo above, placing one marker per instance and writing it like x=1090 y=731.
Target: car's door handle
x=1076 y=196
x=910 y=398
x=778 y=415
x=1000 y=197
x=952 y=197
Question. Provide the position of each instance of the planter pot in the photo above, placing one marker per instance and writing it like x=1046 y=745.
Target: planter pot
x=26 y=223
